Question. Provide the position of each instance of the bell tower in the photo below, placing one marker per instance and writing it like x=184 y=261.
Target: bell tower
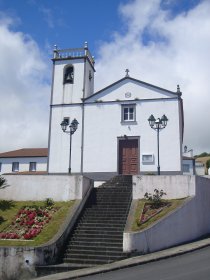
x=73 y=75
x=72 y=82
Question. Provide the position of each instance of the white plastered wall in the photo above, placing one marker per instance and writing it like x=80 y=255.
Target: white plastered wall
x=60 y=141
x=40 y=187
x=103 y=127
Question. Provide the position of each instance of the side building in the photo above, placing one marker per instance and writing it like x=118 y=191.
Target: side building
x=24 y=161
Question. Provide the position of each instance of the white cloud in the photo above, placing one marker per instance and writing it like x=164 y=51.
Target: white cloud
x=24 y=90
x=176 y=52
x=48 y=16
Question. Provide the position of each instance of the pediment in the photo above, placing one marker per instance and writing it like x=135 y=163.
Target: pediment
x=130 y=89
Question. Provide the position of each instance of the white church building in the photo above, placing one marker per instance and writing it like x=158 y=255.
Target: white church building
x=113 y=135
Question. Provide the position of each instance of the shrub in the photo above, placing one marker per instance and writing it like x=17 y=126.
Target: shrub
x=156 y=198
x=49 y=202
x=208 y=164
x=3 y=183
x=1 y=219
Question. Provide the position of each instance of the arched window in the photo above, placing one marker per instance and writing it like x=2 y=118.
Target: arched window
x=68 y=75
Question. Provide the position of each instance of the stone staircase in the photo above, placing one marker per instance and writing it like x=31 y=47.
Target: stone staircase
x=98 y=236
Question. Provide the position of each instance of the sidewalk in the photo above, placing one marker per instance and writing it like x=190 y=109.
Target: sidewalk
x=175 y=251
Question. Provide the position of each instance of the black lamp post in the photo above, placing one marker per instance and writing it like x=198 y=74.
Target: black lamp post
x=72 y=128
x=158 y=124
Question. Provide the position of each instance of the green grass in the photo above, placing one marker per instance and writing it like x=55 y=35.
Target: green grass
x=136 y=227
x=8 y=211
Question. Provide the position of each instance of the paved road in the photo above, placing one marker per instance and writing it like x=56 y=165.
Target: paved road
x=191 y=266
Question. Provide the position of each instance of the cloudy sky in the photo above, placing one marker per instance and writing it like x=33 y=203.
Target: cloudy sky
x=161 y=42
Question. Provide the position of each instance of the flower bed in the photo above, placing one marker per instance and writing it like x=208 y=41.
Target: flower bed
x=149 y=212
x=28 y=223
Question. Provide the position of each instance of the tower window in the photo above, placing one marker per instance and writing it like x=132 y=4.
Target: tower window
x=68 y=75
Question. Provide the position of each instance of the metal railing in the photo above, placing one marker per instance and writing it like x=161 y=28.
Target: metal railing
x=72 y=53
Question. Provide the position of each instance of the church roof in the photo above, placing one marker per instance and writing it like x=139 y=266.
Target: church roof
x=30 y=152
x=177 y=93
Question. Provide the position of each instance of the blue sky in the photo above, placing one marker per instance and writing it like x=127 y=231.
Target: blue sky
x=163 y=42
x=66 y=23
x=69 y=23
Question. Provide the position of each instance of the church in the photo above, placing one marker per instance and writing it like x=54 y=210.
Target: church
x=128 y=127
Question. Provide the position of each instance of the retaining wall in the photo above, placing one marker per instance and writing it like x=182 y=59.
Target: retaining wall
x=176 y=186
x=187 y=223
x=40 y=187
x=19 y=262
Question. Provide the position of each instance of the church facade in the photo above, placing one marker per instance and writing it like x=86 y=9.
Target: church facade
x=113 y=134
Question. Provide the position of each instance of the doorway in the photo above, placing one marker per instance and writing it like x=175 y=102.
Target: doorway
x=128 y=156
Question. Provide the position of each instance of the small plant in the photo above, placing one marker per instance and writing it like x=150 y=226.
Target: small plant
x=6 y=204
x=49 y=202
x=208 y=164
x=1 y=220
x=3 y=183
x=156 y=198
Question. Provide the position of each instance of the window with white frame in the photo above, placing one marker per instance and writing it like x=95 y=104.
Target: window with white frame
x=15 y=166
x=129 y=113
x=32 y=166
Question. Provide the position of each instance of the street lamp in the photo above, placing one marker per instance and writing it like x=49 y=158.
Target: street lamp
x=72 y=128
x=158 y=124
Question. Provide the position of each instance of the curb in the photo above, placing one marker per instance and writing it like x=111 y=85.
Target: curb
x=164 y=254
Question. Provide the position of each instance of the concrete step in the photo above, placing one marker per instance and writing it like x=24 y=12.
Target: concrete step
x=101 y=226
x=111 y=219
x=97 y=239
x=96 y=243
x=111 y=192
x=70 y=253
x=98 y=211
x=92 y=259
x=108 y=208
x=97 y=234
x=97 y=231
x=95 y=248
x=106 y=203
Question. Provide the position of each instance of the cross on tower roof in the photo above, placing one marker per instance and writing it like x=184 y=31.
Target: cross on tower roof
x=127 y=71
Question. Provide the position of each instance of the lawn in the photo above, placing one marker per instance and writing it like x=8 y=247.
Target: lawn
x=136 y=226
x=9 y=209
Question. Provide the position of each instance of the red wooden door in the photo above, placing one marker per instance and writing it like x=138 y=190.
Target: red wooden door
x=128 y=156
